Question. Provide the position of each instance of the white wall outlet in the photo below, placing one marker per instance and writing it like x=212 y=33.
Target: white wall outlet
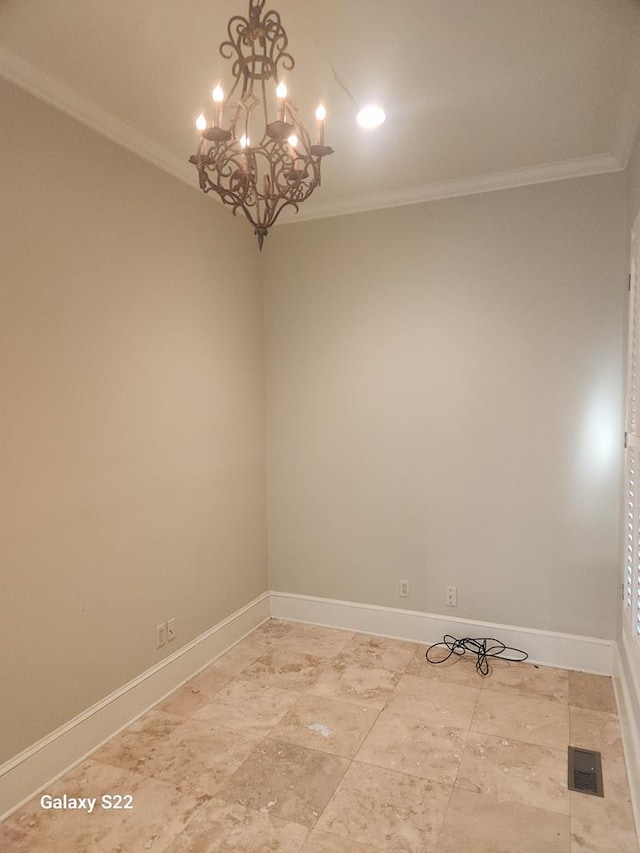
x=171 y=629
x=405 y=591
x=161 y=635
x=451 y=596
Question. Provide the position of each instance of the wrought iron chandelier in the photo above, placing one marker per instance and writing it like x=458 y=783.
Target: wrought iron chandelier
x=283 y=168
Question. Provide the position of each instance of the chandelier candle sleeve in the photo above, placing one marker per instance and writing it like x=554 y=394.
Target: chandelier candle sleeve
x=218 y=98
x=281 y=94
x=281 y=168
x=321 y=115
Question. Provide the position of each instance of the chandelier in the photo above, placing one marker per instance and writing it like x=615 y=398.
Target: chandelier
x=253 y=163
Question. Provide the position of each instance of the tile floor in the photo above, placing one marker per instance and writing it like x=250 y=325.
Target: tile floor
x=310 y=740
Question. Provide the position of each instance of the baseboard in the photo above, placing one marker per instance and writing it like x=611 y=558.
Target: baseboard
x=626 y=683
x=568 y=651
x=47 y=760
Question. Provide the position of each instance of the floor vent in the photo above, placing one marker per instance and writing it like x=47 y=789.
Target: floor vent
x=585 y=771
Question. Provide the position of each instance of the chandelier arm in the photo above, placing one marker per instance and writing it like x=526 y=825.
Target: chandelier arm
x=281 y=208
x=265 y=115
x=232 y=91
x=280 y=41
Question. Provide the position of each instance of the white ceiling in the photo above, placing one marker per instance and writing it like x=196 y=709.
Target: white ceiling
x=479 y=94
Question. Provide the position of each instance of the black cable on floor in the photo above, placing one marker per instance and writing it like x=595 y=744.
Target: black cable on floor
x=478 y=646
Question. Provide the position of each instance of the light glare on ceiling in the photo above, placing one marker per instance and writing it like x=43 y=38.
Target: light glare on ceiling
x=371 y=116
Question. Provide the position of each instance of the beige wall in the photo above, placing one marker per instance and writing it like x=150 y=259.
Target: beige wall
x=633 y=172
x=444 y=405
x=132 y=483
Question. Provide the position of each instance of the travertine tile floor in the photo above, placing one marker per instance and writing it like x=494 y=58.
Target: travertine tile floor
x=322 y=741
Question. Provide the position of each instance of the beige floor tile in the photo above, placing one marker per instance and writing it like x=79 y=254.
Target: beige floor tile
x=327 y=725
x=380 y=808
x=523 y=718
x=196 y=755
x=365 y=685
x=273 y=630
x=479 y=824
x=414 y=746
x=138 y=743
x=223 y=827
x=614 y=808
x=320 y=842
x=379 y=652
x=458 y=670
x=243 y=706
x=431 y=699
x=249 y=695
x=590 y=837
x=596 y=730
x=284 y=668
x=30 y=838
x=195 y=694
x=592 y=691
x=286 y=780
x=160 y=811
x=315 y=640
x=527 y=679
x=242 y=655
x=516 y=772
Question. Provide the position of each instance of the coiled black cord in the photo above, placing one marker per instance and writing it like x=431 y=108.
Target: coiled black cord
x=480 y=647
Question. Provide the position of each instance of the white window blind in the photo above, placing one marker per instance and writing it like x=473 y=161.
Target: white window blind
x=631 y=581
x=631 y=528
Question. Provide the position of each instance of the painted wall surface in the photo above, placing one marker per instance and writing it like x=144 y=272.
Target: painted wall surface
x=444 y=387
x=132 y=484
x=633 y=172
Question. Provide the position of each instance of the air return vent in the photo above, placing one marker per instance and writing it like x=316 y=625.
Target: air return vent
x=585 y=771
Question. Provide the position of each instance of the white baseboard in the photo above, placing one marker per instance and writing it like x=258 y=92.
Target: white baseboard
x=568 y=651
x=627 y=688
x=47 y=760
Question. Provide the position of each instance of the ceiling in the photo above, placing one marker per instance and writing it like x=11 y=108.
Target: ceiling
x=479 y=94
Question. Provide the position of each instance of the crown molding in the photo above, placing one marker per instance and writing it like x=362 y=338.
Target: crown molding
x=474 y=185
x=78 y=107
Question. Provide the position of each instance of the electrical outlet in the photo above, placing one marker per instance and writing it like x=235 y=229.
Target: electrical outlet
x=171 y=629
x=405 y=591
x=451 y=596
x=161 y=635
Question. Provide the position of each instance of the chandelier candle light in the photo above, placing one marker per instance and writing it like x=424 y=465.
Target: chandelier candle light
x=283 y=169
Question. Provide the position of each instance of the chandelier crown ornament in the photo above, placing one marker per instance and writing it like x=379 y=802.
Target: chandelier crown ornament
x=283 y=168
